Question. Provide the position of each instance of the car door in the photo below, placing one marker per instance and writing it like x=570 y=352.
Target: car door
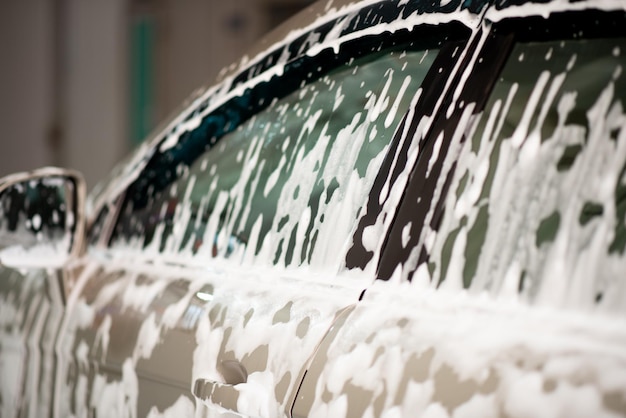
x=502 y=290
x=227 y=260
x=32 y=308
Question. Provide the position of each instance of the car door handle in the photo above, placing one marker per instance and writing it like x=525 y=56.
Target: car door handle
x=233 y=372
x=222 y=395
x=215 y=394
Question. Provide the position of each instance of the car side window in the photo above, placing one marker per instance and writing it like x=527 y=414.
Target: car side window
x=286 y=186
x=537 y=204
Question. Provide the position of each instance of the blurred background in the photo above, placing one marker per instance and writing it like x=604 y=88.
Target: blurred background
x=84 y=81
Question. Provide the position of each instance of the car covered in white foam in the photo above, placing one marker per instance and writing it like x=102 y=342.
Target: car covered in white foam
x=400 y=208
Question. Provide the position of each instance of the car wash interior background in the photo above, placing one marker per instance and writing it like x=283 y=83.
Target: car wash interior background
x=83 y=82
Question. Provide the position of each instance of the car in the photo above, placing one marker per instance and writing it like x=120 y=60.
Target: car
x=400 y=208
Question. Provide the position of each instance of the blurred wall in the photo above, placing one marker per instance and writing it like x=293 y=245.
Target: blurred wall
x=195 y=39
x=82 y=81
x=93 y=76
x=26 y=80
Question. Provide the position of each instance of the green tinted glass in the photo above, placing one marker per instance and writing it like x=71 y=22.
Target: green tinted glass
x=286 y=186
x=537 y=206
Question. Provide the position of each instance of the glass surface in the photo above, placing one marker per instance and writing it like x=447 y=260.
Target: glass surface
x=537 y=206
x=286 y=186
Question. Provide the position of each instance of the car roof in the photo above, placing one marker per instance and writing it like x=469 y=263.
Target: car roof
x=327 y=10
x=469 y=12
x=324 y=11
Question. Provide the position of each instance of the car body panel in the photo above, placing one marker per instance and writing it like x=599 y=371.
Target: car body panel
x=31 y=309
x=140 y=328
x=410 y=350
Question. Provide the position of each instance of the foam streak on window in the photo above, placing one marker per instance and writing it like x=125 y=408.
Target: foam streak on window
x=285 y=187
x=536 y=210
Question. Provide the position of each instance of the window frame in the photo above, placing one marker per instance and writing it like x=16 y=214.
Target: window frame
x=500 y=38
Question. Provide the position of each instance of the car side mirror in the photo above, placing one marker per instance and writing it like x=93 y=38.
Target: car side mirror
x=42 y=220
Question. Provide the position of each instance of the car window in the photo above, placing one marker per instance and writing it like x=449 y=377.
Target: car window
x=286 y=186
x=537 y=205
